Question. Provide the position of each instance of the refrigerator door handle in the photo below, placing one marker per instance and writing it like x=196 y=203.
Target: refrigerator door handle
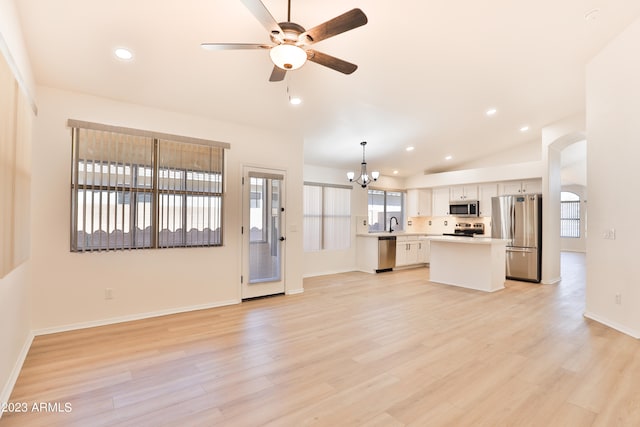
x=512 y=225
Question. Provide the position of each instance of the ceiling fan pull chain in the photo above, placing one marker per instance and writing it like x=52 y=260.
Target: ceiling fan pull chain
x=289 y=11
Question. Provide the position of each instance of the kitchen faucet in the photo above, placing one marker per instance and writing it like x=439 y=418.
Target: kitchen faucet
x=390 y=219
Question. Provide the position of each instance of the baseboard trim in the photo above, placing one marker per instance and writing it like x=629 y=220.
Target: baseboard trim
x=552 y=281
x=295 y=291
x=17 y=367
x=614 y=325
x=129 y=318
x=326 y=273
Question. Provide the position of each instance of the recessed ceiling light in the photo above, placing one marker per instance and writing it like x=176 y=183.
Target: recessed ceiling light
x=448 y=158
x=123 y=53
x=294 y=100
x=395 y=172
x=524 y=128
x=410 y=148
x=491 y=112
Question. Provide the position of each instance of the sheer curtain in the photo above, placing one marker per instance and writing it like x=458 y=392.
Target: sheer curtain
x=312 y=221
x=337 y=218
x=327 y=217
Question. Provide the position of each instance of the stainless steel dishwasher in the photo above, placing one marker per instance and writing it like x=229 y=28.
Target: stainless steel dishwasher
x=386 y=253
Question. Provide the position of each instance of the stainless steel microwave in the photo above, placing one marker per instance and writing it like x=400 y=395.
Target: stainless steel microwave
x=466 y=208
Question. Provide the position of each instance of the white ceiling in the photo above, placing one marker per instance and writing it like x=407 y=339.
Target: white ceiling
x=428 y=70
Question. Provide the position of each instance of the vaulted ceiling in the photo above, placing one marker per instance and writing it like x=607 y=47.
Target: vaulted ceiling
x=428 y=70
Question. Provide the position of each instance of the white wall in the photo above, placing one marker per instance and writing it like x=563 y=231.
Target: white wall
x=613 y=126
x=15 y=324
x=573 y=244
x=14 y=45
x=68 y=288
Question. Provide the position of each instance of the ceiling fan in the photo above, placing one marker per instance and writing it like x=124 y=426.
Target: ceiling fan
x=290 y=49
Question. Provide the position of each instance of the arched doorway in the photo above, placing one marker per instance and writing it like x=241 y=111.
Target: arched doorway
x=555 y=138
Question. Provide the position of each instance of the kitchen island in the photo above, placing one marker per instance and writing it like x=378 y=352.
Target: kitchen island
x=470 y=262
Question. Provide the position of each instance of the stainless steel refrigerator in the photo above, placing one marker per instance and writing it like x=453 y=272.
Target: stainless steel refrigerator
x=518 y=219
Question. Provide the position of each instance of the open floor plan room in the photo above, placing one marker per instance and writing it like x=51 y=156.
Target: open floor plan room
x=390 y=349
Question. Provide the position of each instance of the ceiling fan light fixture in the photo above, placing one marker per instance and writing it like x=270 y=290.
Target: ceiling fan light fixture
x=288 y=56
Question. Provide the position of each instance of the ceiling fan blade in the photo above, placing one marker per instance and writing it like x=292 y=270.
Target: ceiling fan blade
x=347 y=21
x=263 y=15
x=277 y=75
x=233 y=46
x=331 y=61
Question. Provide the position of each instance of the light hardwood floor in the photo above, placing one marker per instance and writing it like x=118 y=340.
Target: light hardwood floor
x=391 y=349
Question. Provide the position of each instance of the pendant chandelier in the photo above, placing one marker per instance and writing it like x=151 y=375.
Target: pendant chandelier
x=364 y=179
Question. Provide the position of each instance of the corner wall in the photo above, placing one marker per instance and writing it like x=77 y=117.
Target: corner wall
x=15 y=332
x=613 y=109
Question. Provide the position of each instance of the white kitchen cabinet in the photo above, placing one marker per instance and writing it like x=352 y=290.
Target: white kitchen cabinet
x=408 y=251
x=464 y=192
x=532 y=186
x=521 y=187
x=418 y=202
x=440 y=205
x=486 y=192
x=423 y=251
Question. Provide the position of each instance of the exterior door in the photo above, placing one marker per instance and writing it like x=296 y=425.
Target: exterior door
x=263 y=232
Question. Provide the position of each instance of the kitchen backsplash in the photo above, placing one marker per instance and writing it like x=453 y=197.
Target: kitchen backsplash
x=443 y=224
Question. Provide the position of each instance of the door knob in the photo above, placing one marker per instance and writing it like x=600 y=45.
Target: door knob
x=282 y=238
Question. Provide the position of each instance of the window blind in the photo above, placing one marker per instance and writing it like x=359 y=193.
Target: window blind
x=137 y=189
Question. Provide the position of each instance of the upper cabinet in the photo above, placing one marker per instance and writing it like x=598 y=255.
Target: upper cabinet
x=441 y=201
x=521 y=187
x=418 y=202
x=486 y=192
x=464 y=192
x=435 y=201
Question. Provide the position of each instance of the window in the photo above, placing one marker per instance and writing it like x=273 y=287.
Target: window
x=259 y=213
x=135 y=189
x=384 y=205
x=327 y=217
x=569 y=214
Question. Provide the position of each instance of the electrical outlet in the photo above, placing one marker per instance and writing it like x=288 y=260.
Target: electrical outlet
x=429 y=222
x=108 y=293
x=618 y=299
x=446 y=223
x=609 y=234
x=364 y=222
